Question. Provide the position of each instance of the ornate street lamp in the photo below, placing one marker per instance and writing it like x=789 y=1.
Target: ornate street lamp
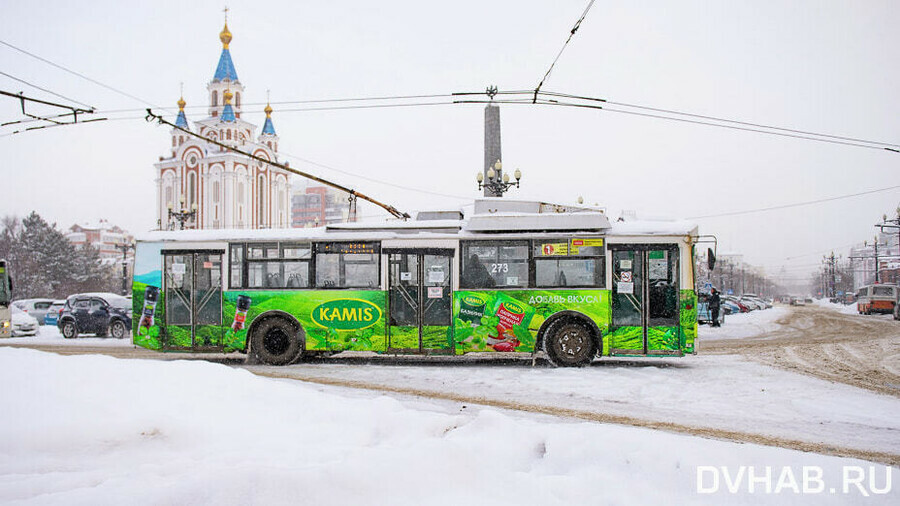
x=183 y=215
x=497 y=181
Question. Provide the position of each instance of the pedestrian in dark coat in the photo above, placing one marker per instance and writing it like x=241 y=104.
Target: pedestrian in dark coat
x=714 y=304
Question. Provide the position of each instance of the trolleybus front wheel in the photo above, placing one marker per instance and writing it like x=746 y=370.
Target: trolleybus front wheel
x=570 y=343
x=275 y=341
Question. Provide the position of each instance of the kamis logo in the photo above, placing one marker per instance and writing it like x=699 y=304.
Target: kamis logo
x=513 y=307
x=346 y=314
x=473 y=300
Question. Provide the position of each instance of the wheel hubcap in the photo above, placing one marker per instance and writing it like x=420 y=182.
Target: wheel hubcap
x=276 y=342
x=571 y=343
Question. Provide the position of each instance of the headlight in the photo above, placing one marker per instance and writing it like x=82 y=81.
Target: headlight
x=5 y=323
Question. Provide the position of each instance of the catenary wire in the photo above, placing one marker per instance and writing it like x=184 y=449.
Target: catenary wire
x=78 y=74
x=45 y=90
x=797 y=204
x=681 y=120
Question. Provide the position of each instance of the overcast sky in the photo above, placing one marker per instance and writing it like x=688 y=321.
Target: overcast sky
x=817 y=65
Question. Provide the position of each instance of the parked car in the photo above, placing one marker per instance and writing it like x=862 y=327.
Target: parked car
x=100 y=314
x=35 y=307
x=729 y=307
x=742 y=308
x=52 y=315
x=23 y=324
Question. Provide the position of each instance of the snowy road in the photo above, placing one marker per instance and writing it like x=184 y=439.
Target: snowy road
x=96 y=430
x=826 y=342
x=719 y=393
x=725 y=397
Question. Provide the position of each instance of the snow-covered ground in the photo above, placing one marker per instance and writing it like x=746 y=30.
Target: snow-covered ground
x=720 y=392
x=743 y=325
x=99 y=430
x=49 y=334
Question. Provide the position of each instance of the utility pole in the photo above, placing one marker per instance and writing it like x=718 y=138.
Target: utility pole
x=125 y=247
x=889 y=224
x=877 y=280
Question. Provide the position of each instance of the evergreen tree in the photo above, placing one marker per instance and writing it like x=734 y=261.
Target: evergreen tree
x=44 y=263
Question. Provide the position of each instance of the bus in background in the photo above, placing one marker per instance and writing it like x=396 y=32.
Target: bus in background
x=507 y=276
x=876 y=299
x=5 y=299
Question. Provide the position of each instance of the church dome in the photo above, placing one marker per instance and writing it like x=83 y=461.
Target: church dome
x=225 y=36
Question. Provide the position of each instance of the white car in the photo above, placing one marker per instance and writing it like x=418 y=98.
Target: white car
x=23 y=324
x=35 y=307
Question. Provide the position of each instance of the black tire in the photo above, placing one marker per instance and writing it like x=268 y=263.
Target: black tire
x=276 y=341
x=570 y=343
x=69 y=330
x=117 y=329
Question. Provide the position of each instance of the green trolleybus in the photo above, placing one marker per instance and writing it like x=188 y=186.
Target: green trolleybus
x=503 y=276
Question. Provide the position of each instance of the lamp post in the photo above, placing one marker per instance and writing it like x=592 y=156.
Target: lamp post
x=182 y=215
x=497 y=181
x=125 y=247
x=875 y=245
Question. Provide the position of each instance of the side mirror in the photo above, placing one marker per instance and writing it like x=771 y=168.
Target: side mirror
x=710 y=259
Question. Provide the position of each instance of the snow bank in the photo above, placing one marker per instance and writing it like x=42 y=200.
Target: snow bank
x=743 y=325
x=49 y=334
x=97 y=430
x=840 y=308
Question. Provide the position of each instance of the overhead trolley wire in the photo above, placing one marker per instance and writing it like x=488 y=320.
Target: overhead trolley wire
x=722 y=124
x=315 y=101
x=797 y=204
x=45 y=90
x=78 y=74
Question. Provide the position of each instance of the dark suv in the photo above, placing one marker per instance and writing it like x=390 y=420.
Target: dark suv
x=101 y=314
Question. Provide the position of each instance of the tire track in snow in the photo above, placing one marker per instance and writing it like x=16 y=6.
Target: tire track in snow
x=593 y=416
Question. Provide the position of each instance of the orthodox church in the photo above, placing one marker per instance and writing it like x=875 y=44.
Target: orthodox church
x=226 y=189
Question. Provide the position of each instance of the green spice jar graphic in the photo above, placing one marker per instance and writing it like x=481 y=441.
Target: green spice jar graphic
x=471 y=308
x=511 y=313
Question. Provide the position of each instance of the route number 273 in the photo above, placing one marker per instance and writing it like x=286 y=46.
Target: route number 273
x=498 y=268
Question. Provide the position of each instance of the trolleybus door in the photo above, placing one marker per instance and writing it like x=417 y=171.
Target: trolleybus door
x=193 y=299
x=420 y=300
x=645 y=318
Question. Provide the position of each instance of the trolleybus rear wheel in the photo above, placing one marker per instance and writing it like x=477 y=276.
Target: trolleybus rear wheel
x=570 y=343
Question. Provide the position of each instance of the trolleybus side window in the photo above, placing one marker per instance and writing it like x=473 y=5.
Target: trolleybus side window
x=270 y=265
x=569 y=263
x=490 y=264
x=237 y=266
x=347 y=265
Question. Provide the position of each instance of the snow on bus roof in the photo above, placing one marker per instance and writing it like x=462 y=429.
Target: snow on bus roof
x=653 y=227
x=489 y=216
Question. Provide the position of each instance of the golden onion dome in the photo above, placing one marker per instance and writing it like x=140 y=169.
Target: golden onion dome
x=181 y=103
x=225 y=36
x=268 y=110
x=227 y=96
